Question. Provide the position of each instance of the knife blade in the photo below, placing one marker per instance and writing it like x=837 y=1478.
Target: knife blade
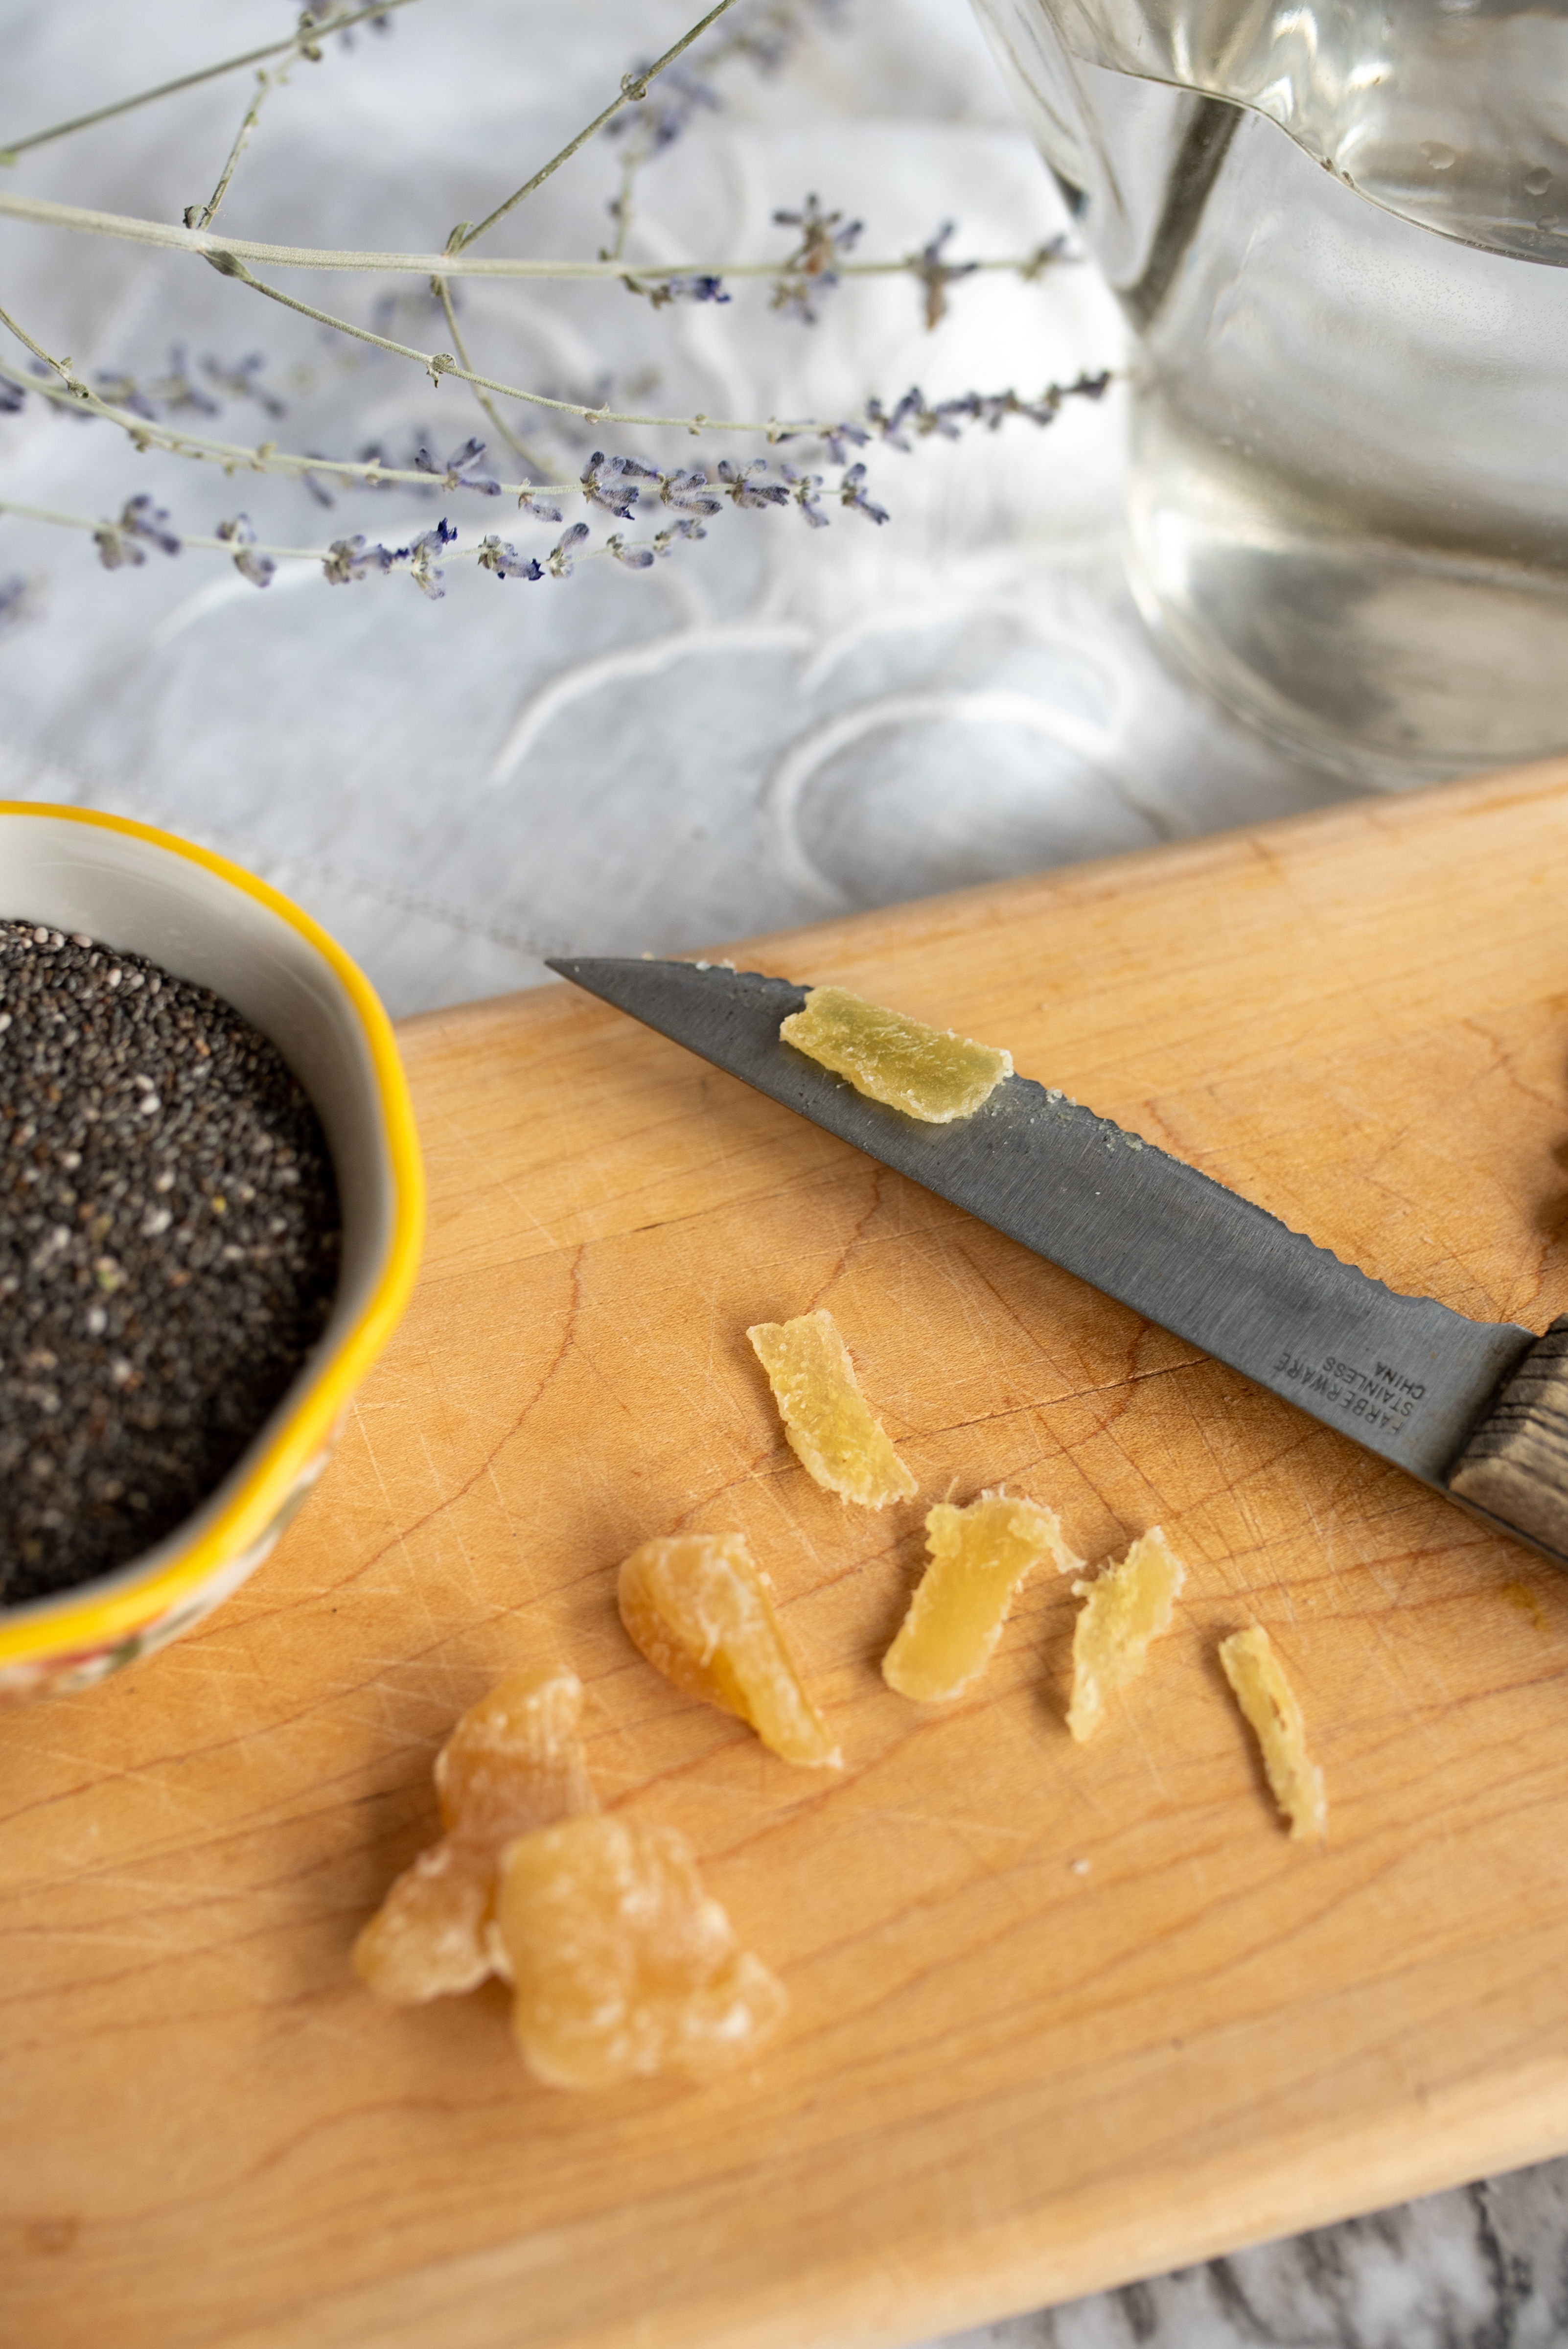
x=1476 y=1410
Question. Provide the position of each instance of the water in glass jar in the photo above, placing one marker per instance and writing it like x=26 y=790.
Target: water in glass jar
x=1347 y=503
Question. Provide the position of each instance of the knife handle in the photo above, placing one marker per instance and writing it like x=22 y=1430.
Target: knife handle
x=1514 y=1465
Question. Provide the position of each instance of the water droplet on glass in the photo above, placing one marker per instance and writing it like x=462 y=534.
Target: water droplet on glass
x=1440 y=158
x=1537 y=182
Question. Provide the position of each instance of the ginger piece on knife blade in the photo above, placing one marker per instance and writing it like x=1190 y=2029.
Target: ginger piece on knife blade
x=1269 y=1706
x=512 y=1764
x=621 y=1966
x=698 y=1607
x=1126 y=1606
x=924 y=1072
x=828 y=1422
x=981 y=1558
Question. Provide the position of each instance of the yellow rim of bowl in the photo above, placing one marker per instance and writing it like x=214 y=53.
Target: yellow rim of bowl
x=90 y=1620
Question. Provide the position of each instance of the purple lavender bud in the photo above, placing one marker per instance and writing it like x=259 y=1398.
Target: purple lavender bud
x=852 y=492
x=505 y=560
x=560 y=561
x=257 y=568
x=688 y=491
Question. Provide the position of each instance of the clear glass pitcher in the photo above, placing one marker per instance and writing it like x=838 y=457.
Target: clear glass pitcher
x=1339 y=230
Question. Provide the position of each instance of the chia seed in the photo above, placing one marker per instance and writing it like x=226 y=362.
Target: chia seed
x=168 y=1251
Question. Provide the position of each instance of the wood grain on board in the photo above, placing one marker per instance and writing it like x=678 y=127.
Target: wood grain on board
x=1060 y=2016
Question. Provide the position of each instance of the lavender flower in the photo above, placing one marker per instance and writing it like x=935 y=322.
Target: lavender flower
x=936 y=275
x=560 y=561
x=121 y=390
x=12 y=398
x=257 y=568
x=742 y=487
x=635 y=558
x=179 y=389
x=853 y=494
x=840 y=439
x=422 y=559
x=236 y=379
x=610 y=483
x=825 y=238
x=1056 y=248
x=804 y=488
x=539 y=507
x=453 y=475
x=658 y=118
x=122 y=543
x=688 y=492
x=18 y=601
x=661 y=291
x=674 y=532
x=348 y=559
x=506 y=562
x=322 y=486
x=889 y=423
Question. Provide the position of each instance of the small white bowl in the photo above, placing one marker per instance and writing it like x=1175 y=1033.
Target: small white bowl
x=147 y=893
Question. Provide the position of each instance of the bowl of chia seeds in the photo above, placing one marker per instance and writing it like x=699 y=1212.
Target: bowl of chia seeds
x=212 y=1208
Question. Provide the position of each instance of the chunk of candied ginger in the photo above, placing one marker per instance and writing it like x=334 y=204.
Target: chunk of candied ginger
x=622 y=1965
x=1128 y=1605
x=927 y=1072
x=512 y=1764
x=1269 y=1705
x=698 y=1605
x=981 y=1556
x=828 y=1425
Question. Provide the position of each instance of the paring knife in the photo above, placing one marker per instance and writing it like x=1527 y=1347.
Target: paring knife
x=1477 y=1410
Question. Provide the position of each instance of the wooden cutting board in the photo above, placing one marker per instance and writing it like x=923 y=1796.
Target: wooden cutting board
x=1061 y=2017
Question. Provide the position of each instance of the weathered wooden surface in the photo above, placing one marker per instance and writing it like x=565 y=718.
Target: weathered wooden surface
x=1006 y=2078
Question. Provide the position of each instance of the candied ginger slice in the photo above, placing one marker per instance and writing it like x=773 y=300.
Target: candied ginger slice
x=1126 y=1606
x=1269 y=1705
x=927 y=1072
x=621 y=1963
x=698 y=1605
x=513 y=1762
x=828 y=1422
x=981 y=1558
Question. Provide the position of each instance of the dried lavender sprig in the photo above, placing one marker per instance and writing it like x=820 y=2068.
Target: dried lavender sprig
x=129 y=228
x=610 y=483
x=946 y=418
x=438 y=363
x=633 y=88
x=234 y=456
x=763 y=33
x=311 y=33
x=346 y=559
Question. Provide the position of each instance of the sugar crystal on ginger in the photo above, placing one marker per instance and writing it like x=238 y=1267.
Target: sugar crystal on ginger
x=828 y=1422
x=926 y=1072
x=1127 y=1607
x=699 y=1608
x=622 y=1965
x=981 y=1558
x=512 y=1764
x=1269 y=1705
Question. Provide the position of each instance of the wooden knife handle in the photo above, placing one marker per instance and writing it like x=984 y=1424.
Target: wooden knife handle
x=1515 y=1464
